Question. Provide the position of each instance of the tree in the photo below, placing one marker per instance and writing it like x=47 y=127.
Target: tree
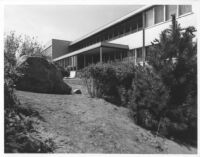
x=30 y=46
x=174 y=58
x=11 y=45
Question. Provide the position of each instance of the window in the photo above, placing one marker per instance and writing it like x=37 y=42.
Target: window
x=139 y=22
x=139 y=53
x=147 y=52
x=159 y=13
x=170 y=10
x=149 y=20
x=183 y=9
x=133 y=25
x=132 y=53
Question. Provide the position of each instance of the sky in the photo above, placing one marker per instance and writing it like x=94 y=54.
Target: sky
x=66 y=22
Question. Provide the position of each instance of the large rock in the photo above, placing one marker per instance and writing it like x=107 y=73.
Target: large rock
x=40 y=76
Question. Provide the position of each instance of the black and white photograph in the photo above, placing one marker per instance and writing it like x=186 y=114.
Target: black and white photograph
x=100 y=78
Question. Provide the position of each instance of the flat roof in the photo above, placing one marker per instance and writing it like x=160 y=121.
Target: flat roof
x=49 y=43
x=112 y=23
x=88 y=48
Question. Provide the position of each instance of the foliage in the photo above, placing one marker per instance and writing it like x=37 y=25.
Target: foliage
x=30 y=46
x=18 y=128
x=109 y=80
x=148 y=98
x=19 y=45
x=174 y=58
x=161 y=96
x=65 y=71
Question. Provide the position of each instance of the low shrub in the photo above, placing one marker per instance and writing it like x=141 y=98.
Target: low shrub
x=111 y=81
x=19 y=133
x=148 y=98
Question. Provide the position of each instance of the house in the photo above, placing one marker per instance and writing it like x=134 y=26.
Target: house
x=128 y=37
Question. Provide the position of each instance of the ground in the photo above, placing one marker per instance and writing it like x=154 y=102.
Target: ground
x=80 y=124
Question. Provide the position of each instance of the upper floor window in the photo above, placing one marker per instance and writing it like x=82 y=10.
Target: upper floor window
x=170 y=10
x=159 y=13
x=183 y=9
x=149 y=20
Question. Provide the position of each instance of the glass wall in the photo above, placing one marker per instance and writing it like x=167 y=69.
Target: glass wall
x=183 y=9
x=159 y=13
x=170 y=10
x=149 y=19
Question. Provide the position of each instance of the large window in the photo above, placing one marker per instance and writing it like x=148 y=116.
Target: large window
x=159 y=13
x=170 y=10
x=149 y=20
x=139 y=53
x=183 y=9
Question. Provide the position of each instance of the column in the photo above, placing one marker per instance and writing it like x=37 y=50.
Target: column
x=135 y=51
x=143 y=32
x=84 y=61
x=76 y=58
x=101 y=55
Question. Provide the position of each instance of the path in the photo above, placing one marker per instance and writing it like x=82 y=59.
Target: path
x=80 y=124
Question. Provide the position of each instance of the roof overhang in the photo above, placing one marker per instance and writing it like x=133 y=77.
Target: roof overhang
x=112 y=23
x=97 y=45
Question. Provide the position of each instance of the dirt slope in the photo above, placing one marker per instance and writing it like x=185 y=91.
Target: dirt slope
x=79 y=124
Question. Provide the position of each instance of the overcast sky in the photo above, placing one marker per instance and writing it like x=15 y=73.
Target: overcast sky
x=61 y=22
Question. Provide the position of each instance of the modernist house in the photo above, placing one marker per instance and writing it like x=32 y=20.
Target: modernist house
x=129 y=37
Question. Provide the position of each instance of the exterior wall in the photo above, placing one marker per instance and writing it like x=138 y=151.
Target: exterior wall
x=132 y=40
x=59 y=48
x=48 y=52
x=153 y=32
x=135 y=40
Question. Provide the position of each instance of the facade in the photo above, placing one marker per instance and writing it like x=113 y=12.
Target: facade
x=56 y=48
x=126 y=38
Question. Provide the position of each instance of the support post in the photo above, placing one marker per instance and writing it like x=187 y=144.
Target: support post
x=143 y=32
x=135 y=56
x=76 y=62
x=84 y=61
x=101 y=55
x=92 y=59
x=115 y=56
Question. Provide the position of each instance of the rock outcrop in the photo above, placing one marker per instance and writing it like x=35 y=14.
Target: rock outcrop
x=40 y=76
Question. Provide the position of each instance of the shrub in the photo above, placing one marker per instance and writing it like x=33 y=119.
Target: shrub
x=148 y=97
x=18 y=128
x=161 y=97
x=174 y=58
x=65 y=71
x=109 y=80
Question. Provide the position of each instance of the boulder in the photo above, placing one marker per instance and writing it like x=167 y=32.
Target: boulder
x=77 y=91
x=40 y=76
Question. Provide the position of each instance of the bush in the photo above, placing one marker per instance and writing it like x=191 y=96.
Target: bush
x=148 y=98
x=18 y=128
x=174 y=58
x=111 y=81
x=65 y=71
x=161 y=97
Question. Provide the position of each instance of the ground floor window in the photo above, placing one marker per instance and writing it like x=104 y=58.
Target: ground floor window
x=139 y=52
